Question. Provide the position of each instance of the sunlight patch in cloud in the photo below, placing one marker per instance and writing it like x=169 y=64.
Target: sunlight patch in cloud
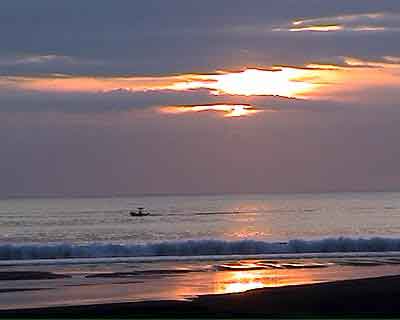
x=229 y=110
x=386 y=62
x=69 y=83
x=339 y=81
x=318 y=28
x=282 y=81
x=367 y=22
x=343 y=18
x=356 y=78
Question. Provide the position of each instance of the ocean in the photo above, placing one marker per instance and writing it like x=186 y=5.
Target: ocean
x=199 y=225
x=56 y=252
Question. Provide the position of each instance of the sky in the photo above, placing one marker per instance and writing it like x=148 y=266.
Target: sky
x=224 y=96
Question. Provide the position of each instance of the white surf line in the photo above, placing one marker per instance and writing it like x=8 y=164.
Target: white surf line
x=276 y=256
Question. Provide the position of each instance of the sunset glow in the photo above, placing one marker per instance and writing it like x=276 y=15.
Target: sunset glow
x=201 y=92
x=280 y=81
x=318 y=28
x=239 y=281
x=229 y=110
x=350 y=23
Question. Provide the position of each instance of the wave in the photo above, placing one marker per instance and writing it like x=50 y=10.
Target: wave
x=195 y=248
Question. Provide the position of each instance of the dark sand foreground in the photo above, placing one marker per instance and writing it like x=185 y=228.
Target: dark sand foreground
x=375 y=297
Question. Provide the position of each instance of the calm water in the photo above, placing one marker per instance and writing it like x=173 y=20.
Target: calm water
x=228 y=217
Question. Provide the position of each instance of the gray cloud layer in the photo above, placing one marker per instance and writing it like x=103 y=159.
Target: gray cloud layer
x=155 y=37
x=123 y=100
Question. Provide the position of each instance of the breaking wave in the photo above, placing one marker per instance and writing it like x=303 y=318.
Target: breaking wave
x=195 y=248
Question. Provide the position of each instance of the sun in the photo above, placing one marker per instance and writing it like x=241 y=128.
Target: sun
x=282 y=81
x=262 y=82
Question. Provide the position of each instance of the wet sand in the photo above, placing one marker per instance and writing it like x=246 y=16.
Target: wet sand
x=29 y=275
x=373 y=297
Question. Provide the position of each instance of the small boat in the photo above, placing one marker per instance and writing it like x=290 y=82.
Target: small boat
x=139 y=213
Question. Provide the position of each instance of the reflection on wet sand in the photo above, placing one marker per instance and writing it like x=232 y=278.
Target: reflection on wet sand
x=239 y=281
x=131 y=283
x=240 y=276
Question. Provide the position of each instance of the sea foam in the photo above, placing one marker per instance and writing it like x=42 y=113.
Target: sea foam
x=195 y=248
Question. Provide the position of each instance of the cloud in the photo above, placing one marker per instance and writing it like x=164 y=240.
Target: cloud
x=120 y=100
x=349 y=149
x=316 y=87
x=33 y=59
x=137 y=37
x=50 y=64
x=86 y=82
x=387 y=62
x=230 y=110
x=283 y=81
x=365 y=22
x=345 y=81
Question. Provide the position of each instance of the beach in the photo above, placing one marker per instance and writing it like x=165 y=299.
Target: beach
x=373 y=297
x=243 y=255
x=352 y=285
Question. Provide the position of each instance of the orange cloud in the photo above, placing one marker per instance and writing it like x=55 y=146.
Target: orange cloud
x=230 y=110
x=318 y=28
x=313 y=81
x=282 y=81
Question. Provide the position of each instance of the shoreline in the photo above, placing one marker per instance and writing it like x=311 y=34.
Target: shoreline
x=369 y=297
x=199 y=258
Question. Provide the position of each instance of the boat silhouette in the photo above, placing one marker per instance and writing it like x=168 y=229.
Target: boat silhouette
x=139 y=213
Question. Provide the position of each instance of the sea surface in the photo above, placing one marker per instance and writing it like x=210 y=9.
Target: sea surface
x=199 y=225
x=56 y=252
